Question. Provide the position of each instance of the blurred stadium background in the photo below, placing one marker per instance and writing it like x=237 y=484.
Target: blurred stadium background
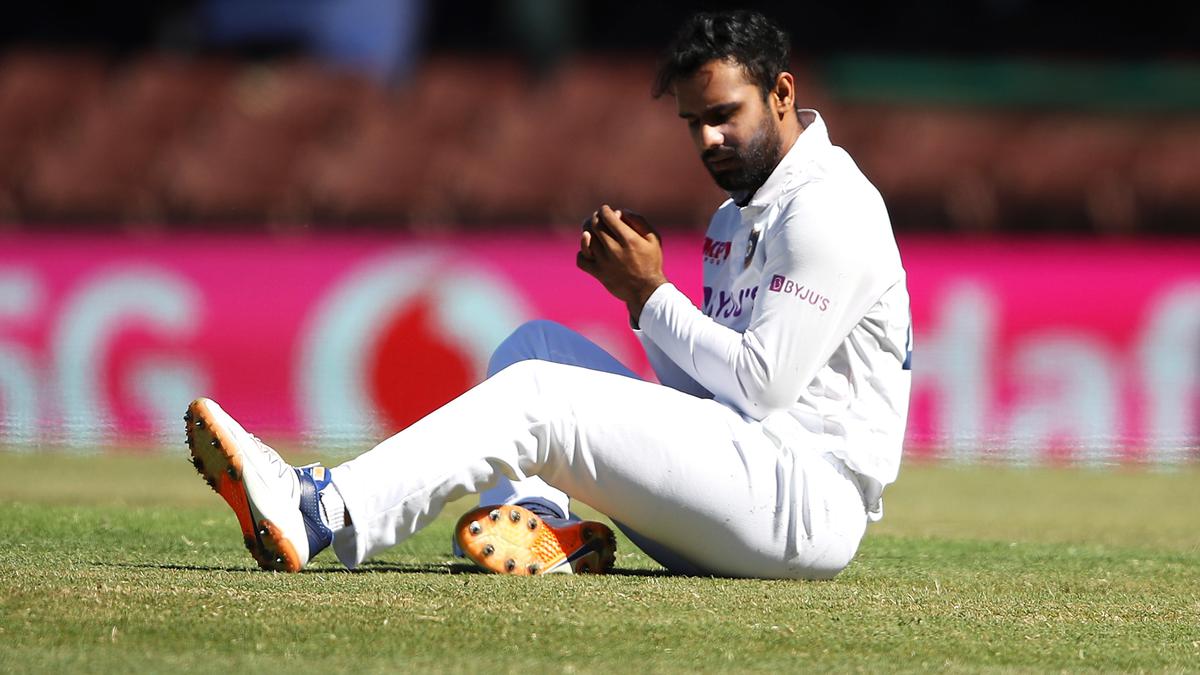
x=326 y=212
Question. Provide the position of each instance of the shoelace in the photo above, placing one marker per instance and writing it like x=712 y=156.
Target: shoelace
x=272 y=456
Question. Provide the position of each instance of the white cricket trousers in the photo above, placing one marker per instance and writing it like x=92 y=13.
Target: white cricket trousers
x=701 y=488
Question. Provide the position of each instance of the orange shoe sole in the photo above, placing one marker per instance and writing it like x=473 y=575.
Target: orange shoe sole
x=511 y=539
x=218 y=463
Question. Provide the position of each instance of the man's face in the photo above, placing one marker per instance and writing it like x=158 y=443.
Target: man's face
x=733 y=129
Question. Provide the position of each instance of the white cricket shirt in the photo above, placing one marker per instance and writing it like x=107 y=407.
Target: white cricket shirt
x=805 y=325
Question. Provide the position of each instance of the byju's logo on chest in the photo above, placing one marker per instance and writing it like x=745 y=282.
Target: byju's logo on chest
x=781 y=284
x=728 y=304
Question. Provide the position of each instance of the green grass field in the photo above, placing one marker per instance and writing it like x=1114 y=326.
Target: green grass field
x=117 y=563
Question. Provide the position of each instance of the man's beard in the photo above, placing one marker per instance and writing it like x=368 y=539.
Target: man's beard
x=757 y=159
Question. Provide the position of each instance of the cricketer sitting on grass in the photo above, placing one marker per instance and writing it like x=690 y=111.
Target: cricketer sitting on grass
x=764 y=451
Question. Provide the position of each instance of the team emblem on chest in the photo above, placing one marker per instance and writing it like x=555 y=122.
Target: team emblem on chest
x=752 y=245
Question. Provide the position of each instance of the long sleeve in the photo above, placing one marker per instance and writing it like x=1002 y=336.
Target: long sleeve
x=810 y=294
x=668 y=372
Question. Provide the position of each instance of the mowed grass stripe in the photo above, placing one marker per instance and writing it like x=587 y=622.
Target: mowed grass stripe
x=130 y=563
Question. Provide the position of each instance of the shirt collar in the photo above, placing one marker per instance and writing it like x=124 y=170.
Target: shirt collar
x=812 y=139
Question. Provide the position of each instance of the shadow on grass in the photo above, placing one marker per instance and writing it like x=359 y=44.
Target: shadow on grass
x=467 y=568
x=378 y=567
x=174 y=567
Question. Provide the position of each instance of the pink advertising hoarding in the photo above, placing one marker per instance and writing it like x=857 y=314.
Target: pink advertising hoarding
x=1024 y=351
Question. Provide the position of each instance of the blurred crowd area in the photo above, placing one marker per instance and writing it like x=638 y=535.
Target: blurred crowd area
x=420 y=134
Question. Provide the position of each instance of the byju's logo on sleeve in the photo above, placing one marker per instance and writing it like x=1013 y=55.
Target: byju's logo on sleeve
x=785 y=286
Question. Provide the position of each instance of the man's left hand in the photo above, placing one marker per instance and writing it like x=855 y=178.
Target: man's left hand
x=623 y=253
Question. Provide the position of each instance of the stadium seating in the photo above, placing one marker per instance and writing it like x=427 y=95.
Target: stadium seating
x=473 y=141
x=40 y=94
x=106 y=163
x=1166 y=176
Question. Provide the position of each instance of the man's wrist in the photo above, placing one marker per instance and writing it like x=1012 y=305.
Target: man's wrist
x=637 y=303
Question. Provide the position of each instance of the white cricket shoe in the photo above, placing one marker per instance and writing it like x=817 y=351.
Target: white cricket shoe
x=530 y=540
x=277 y=505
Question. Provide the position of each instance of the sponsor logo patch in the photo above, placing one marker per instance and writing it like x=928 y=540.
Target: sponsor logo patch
x=728 y=304
x=783 y=285
x=716 y=252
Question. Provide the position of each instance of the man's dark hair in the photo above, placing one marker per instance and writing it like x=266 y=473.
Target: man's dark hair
x=746 y=37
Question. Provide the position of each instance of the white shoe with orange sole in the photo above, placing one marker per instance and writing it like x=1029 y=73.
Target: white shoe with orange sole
x=512 y=539
x=277 y=505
